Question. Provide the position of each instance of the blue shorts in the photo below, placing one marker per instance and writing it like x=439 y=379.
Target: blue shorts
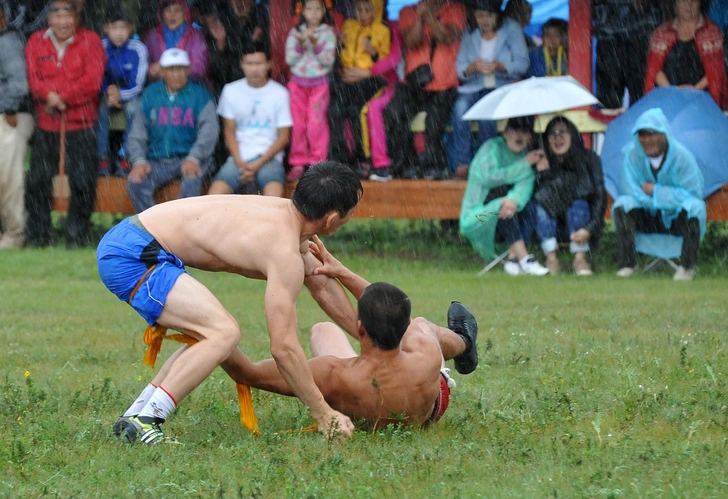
x=124 y=256
x=271 y=171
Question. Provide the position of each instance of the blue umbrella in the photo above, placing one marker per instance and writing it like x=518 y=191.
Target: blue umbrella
x=697 y=123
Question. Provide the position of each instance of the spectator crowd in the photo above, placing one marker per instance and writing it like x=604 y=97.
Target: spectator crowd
x=193 y=84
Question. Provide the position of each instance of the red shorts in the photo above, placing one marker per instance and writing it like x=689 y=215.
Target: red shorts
x=443 y=399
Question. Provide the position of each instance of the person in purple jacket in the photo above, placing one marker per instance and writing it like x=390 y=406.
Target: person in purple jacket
x=175 y=29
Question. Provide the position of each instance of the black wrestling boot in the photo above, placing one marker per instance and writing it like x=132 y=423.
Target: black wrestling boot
x=462 y=322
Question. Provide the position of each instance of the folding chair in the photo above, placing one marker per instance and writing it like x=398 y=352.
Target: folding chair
x=496 y=261
x=662 y=247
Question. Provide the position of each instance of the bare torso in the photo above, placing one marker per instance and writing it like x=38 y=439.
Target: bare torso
x=389 y=387
x=238 y=234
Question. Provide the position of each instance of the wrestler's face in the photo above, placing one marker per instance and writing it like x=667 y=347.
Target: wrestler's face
x=654 y=143
x=334 y=221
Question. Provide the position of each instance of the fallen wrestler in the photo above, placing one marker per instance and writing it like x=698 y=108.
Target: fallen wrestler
x=399 y=376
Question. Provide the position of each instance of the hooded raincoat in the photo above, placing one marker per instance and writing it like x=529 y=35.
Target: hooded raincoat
x=353 y=54
x=494 y=166
x=678 y=186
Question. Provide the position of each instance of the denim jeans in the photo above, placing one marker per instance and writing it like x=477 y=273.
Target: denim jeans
x=521 y=226
x=131 y=108
x=462 y=148
x=163 y=172
x=271 y=171
x=548 y=229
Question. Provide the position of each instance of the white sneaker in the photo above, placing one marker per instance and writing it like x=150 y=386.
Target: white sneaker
x=683 y=274
x=626 y=271
x=532 y=267
x=511 y=267
x=380 y=178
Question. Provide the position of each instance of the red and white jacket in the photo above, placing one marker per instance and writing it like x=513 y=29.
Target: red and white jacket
x=76 y=78
x=709 y=41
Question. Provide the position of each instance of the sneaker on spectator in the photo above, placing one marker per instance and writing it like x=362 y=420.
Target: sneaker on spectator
x=626 y=271
x=512 y=267
x=381 y=175
x=683 y=274
x=552 y=263
x=103 y=167
x=295 y=174
x=436 y=174
x=532 y=267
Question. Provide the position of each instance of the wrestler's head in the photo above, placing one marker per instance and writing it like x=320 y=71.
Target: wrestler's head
x=384 y=311
x=327 y=187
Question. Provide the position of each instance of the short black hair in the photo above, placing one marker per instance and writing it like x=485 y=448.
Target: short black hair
x=69 y=2
x=524 y=123
x=118 y=14
x=384 y=311
x=556 y=23
x=324 y=187
x=254 y=47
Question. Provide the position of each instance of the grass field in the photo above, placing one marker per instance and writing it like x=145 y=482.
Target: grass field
x=594 y=387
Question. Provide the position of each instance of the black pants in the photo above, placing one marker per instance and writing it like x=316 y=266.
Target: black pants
x=347 y=100
x=639 y=220
x=81 y=172
x=403 y=107
x=621 y=62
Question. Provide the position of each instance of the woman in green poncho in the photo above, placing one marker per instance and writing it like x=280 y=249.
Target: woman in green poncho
x=496 y=202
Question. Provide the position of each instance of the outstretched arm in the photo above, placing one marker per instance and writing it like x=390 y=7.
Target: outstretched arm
x=334 y=268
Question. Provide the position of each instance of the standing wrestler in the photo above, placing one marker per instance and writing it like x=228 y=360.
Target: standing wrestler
x=142 y=261
x=400 y=375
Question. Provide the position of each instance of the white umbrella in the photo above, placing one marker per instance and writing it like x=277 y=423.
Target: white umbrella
x=530 y=97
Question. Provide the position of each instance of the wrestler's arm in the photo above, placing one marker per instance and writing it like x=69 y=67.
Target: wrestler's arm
x=329 y=294
x=332 y=267
x=285 y=279
x=265 y=375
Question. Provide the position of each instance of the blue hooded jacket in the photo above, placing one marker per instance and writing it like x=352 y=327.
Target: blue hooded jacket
x=678 y=186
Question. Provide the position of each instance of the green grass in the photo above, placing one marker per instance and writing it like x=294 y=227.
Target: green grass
x=593 y=387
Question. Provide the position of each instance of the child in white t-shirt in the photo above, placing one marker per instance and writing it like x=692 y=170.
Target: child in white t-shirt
x=257 y=124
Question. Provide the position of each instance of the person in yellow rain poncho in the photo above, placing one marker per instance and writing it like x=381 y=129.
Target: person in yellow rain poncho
x=365 y=40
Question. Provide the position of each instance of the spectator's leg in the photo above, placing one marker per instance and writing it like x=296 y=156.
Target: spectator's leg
x=317 y=126
x=192 y=186
x=527 y=220
x=398 y=115
x=509 y=231
x=337 y=115
x=14 y=142
x=361 y=93
x=577 y=218
x=142 y=193
x=102 y=137
x=462 y=140
x=546 y=231
x=610 y=87
x=227 y=180
x=39 y=187
x=377 y=130
x=271 y=179
x=439 y=109
x=81 y=168
x=635 y=65
x=131 y=108
x=689 y=229
x=300 y=108
x=625 y=229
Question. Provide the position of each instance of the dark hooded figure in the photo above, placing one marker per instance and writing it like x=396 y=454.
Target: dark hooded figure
x=570 y=196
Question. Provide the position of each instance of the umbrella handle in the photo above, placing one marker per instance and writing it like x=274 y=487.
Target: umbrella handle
x=62 y=148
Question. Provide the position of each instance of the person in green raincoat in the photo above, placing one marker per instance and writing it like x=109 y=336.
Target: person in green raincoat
x=496 y=202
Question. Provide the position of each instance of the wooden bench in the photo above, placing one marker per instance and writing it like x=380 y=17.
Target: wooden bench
x=413 y=199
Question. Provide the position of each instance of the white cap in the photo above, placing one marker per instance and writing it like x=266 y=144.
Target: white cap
x=174 y=57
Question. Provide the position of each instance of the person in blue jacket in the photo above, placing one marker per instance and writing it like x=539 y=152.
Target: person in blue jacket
x=662 y=196
x=174 y=134
x=552 y=58
x=127 y=62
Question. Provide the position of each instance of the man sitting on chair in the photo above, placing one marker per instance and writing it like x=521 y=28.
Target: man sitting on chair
x=662 y=196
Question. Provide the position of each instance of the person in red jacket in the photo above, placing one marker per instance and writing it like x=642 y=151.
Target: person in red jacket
x=687 y=52
x=65 y=69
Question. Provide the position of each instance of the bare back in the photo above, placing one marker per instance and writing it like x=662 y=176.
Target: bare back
x=389 y=387
x=237 y=234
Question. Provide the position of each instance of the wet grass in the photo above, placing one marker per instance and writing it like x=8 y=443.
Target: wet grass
x=586 y=388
